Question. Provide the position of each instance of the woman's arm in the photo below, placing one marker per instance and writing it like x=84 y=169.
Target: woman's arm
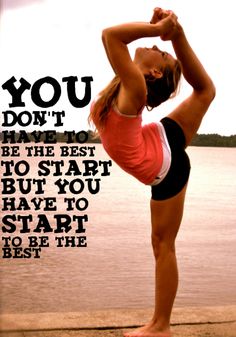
x=193 y=70
x=190 y=112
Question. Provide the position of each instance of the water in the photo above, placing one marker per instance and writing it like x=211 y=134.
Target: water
x=116 y=269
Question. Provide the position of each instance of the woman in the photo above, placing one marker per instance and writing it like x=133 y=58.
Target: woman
x=154 y=154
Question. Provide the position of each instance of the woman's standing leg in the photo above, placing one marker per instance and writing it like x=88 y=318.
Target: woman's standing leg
x=166 y=219
x=166 y=216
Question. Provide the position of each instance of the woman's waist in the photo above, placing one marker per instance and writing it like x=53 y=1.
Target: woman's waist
x=143 y=167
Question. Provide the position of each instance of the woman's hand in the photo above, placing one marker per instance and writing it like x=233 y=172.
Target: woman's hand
x=168 y=22
x=157 y=15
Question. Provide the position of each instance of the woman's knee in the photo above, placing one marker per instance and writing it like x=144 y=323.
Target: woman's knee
x=162 y=245
x=189 y=125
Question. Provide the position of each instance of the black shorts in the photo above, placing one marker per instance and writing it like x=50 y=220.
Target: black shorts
x=179 y=171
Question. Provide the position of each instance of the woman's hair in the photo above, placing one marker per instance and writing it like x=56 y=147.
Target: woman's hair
x=100 y=108
x=158 y=91
x=161 y=89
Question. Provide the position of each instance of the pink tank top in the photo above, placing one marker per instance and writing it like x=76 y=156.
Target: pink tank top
x=135 y=148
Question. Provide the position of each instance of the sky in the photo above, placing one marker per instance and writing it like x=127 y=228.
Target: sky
x=60 y=38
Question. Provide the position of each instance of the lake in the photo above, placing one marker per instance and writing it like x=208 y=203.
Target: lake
x=116 y=269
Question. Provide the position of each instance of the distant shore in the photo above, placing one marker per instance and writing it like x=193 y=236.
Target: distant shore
x=214 y=140
x=211 y=140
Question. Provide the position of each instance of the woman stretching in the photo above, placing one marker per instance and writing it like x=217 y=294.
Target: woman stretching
x=154 y=153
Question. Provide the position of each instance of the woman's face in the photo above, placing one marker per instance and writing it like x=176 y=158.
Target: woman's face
x=147 y=58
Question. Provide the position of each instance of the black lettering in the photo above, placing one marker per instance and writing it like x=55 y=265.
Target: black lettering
x=35 y=92
x=77 y=103
x=16 y=94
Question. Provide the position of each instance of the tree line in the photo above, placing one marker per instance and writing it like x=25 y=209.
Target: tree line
x=212 y=140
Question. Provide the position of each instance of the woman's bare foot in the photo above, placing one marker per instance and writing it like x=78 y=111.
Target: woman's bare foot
x=149 y=330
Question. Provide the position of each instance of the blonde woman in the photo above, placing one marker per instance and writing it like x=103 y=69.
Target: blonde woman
x=154 y=153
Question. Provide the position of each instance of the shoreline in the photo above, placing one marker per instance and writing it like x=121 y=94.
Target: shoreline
x=92 y=323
